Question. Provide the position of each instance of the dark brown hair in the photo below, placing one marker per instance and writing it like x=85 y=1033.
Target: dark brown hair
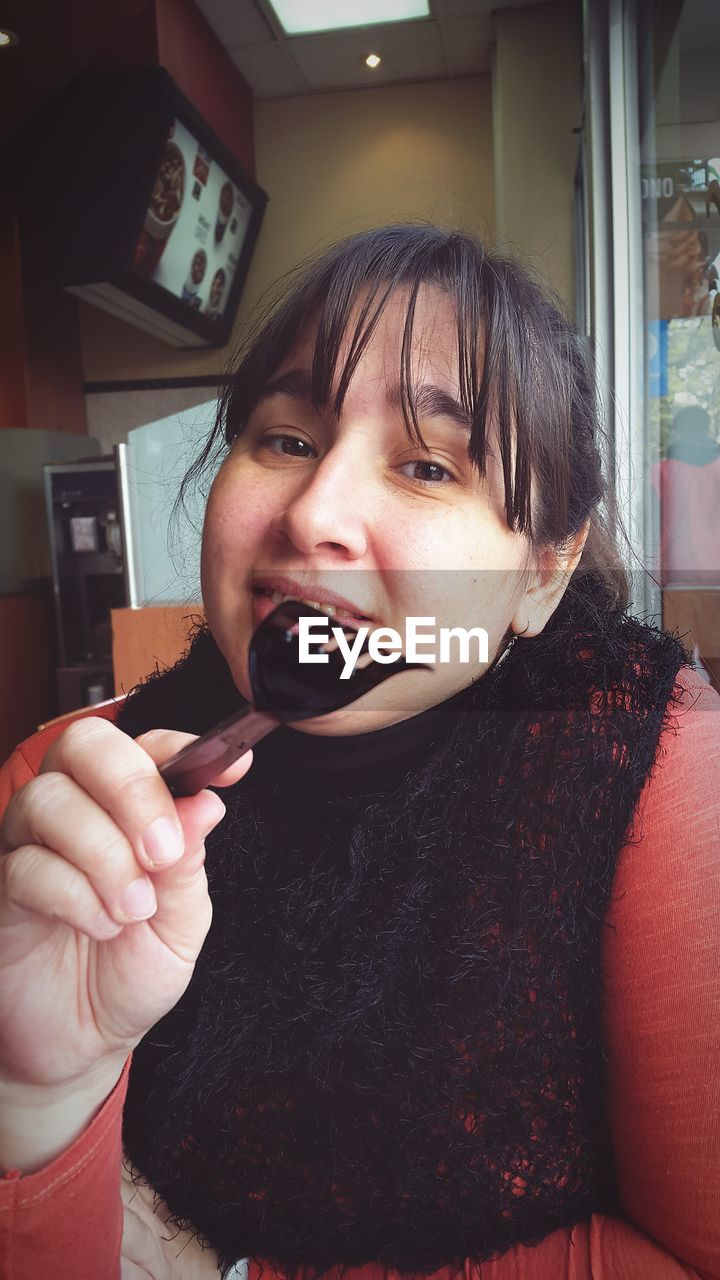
x=519 y=361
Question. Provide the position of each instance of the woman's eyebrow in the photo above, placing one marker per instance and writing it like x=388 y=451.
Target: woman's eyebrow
x=294 y=383
x=431 y=401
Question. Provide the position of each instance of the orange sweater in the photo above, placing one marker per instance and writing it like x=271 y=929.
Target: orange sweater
x=662 y=1010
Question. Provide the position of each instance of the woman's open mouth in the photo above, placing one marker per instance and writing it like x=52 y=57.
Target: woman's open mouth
x=265 y=599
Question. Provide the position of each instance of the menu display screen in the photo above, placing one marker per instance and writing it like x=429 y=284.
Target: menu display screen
x=194 y=227
x=153 y=217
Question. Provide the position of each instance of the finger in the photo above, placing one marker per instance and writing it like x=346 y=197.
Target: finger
x=41 y=882
x=53 y=814
x=138 y=1242
x=198 y=815
x=140 y=1250
x=131 y=1271
x=120 y=776
x=184 y=912
x=52 y=811
x=135 y=1193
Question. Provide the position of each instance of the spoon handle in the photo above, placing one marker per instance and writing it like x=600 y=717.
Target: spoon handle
x=199 y=763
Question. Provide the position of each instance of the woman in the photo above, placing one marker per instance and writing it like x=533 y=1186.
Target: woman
x=457 y=1007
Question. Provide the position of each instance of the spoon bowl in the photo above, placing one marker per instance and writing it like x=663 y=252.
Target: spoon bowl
x=289 y=689
x=284 y=689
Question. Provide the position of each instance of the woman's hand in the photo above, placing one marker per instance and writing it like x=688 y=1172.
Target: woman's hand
x=103 y=911
x=152 y=1249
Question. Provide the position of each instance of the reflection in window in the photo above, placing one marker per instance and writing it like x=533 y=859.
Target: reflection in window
x=678 y=50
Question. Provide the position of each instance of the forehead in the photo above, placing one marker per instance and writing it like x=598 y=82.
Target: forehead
x=408 y=359
x=424 y=332
x=409 y=347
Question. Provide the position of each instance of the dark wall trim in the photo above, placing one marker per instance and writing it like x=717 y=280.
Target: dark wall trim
x=158 y=384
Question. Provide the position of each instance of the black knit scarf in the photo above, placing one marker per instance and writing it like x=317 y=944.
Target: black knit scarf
x=391 y=1047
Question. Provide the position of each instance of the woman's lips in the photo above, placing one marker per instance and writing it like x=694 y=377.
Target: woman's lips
x=282 y=586
x=265 y=600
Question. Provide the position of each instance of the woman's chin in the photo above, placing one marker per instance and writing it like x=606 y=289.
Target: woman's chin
x=347 y=722
x=379 y=708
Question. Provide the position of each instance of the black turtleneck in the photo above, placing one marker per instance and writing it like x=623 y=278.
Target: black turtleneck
x=356 y=765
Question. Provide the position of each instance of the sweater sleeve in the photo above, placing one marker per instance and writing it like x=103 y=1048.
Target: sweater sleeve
x=65 y=1220
x=662 y=993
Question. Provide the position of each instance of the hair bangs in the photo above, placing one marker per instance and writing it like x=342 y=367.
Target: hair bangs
x=524 y=382
x=344 y=297
x=352 y=307
x=500 y=392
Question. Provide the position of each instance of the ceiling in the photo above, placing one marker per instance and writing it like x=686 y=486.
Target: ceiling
x=454 y=41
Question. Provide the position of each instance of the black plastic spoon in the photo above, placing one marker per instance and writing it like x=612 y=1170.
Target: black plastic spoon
x=284 y=689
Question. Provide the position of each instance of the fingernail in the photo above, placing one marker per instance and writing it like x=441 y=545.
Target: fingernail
x=138 y=900
x=221 y=811
x=105 y=927
x=213 y=823
x=163 y=842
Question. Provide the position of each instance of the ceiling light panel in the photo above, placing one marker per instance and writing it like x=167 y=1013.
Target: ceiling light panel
x=299 y=17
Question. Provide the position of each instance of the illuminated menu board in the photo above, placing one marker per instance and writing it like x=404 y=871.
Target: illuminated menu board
x=152 y=217
x=194 y=227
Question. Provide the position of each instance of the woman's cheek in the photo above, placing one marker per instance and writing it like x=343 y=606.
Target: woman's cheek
x=234 y=521
x=212 y=555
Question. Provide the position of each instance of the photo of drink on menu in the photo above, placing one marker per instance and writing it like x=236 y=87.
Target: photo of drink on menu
x=194 y=228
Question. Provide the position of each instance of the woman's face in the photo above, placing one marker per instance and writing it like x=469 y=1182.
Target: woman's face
x=349 y=510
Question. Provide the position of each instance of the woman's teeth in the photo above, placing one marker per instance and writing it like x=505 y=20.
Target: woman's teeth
x=278 y=597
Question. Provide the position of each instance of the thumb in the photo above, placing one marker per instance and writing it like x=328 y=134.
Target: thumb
x=184 y=912
x=199 y=815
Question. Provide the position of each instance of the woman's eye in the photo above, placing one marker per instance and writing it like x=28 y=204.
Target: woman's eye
x=294 y=446
x=427 y=472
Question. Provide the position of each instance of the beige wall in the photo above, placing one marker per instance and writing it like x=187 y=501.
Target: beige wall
x=333 y=164
x=536 y=106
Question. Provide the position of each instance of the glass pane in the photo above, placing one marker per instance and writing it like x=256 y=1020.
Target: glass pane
x=678 y=53
x=164 y=539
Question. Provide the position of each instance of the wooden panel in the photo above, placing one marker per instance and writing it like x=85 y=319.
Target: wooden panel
x=26 y=678
x=145 y=639
x=52 y=353
x=207 y=75
x=174 y=34
x=695 y=614
x=13 y=385
x=56 y=394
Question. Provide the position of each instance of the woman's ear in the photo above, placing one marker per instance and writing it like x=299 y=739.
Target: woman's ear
x=547 y=584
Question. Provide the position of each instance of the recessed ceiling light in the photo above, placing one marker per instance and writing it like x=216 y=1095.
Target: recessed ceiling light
x=7 y=38
x=296 y=16
x=373 y=60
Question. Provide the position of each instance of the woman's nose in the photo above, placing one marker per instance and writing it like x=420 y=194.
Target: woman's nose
x=329 y=511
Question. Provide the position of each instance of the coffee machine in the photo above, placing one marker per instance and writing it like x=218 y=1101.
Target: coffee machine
x=89 y=575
